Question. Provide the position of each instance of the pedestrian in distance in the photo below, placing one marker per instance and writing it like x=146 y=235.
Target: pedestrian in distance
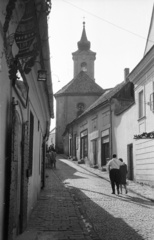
x=52 y=148
x=52 y=156
x=48 y=158
x=123 y=175
x=113 y=167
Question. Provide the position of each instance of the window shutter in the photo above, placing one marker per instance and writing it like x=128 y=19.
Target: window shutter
x=152 y=102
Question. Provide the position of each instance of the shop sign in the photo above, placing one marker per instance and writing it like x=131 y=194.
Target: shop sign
x=105 y=133
x=84 y=133
x=94 y=135
x=105 y=139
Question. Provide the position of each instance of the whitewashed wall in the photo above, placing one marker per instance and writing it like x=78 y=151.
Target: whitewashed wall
x=144 y=148
x=124 y=127
x=39 y=107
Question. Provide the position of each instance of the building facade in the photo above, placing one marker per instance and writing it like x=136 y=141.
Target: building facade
x=26 y=110
x=133 y=129
x=121 y=122
x=91 y=136
x=143 y=78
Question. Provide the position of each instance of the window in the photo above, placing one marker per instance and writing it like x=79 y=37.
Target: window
x=80 y=108
x=152 y=99
x=106 y=119
x=152 y=102
x=141 y=104
x=84 y=66
x=94 y=124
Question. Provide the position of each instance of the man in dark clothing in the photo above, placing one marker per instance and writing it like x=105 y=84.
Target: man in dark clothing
x=53 y=156
x=114 y=172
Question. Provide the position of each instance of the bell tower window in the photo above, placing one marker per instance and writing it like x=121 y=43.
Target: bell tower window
x=84 y=66
x=80 y=108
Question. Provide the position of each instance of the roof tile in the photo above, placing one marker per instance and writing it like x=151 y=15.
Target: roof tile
x=82 y=83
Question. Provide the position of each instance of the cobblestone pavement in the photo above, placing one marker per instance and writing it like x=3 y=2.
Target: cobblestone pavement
x=113 y=217
x=77 y=204
x=57 y=215
x=140 y=189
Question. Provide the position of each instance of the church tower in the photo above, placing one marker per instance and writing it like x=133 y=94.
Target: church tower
x=76 y=96
x=84 y=58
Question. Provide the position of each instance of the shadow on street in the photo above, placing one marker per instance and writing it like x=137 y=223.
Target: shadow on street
x=105 y=224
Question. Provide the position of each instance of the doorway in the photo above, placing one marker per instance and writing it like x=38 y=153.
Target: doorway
x=95 y=160
x=74 y=146
x=130 y=161
x=84 y=147
x=70 y=147
x=105 y=152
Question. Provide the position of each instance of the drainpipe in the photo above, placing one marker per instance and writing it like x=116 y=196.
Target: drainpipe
x=72 y=143
x=43 y=165
x=45 y=139
x=43 y=161
x=111 y=147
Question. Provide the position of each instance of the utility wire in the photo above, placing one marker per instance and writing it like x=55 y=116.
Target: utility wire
x=104 y=20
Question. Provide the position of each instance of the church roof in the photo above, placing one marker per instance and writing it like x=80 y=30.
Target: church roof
x=80 y=85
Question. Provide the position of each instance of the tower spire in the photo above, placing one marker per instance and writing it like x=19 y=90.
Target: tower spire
x=83 y=44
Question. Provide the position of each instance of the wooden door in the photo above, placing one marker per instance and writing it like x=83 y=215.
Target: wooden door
x=95 y=152
x=105 y=151
x=130 y=161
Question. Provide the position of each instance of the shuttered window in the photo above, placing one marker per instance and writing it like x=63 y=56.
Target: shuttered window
x=141 y=104
x=152 y=102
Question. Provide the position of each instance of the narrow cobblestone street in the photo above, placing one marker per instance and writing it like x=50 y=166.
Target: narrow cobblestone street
x=78 y=204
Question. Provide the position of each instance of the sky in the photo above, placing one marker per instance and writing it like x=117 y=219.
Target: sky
x=117 y=30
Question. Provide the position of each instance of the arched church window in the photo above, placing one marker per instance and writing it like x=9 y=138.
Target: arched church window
x=84 y=66
x=80 y=108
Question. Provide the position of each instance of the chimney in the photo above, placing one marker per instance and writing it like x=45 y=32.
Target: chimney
x=126 y=73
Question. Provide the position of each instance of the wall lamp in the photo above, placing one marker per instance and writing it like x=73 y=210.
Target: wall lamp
x=42 y=75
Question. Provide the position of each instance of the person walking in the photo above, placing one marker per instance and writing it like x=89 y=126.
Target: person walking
x=50 y=158
x=123 y=174
x=53 y=156
x=114 y=172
